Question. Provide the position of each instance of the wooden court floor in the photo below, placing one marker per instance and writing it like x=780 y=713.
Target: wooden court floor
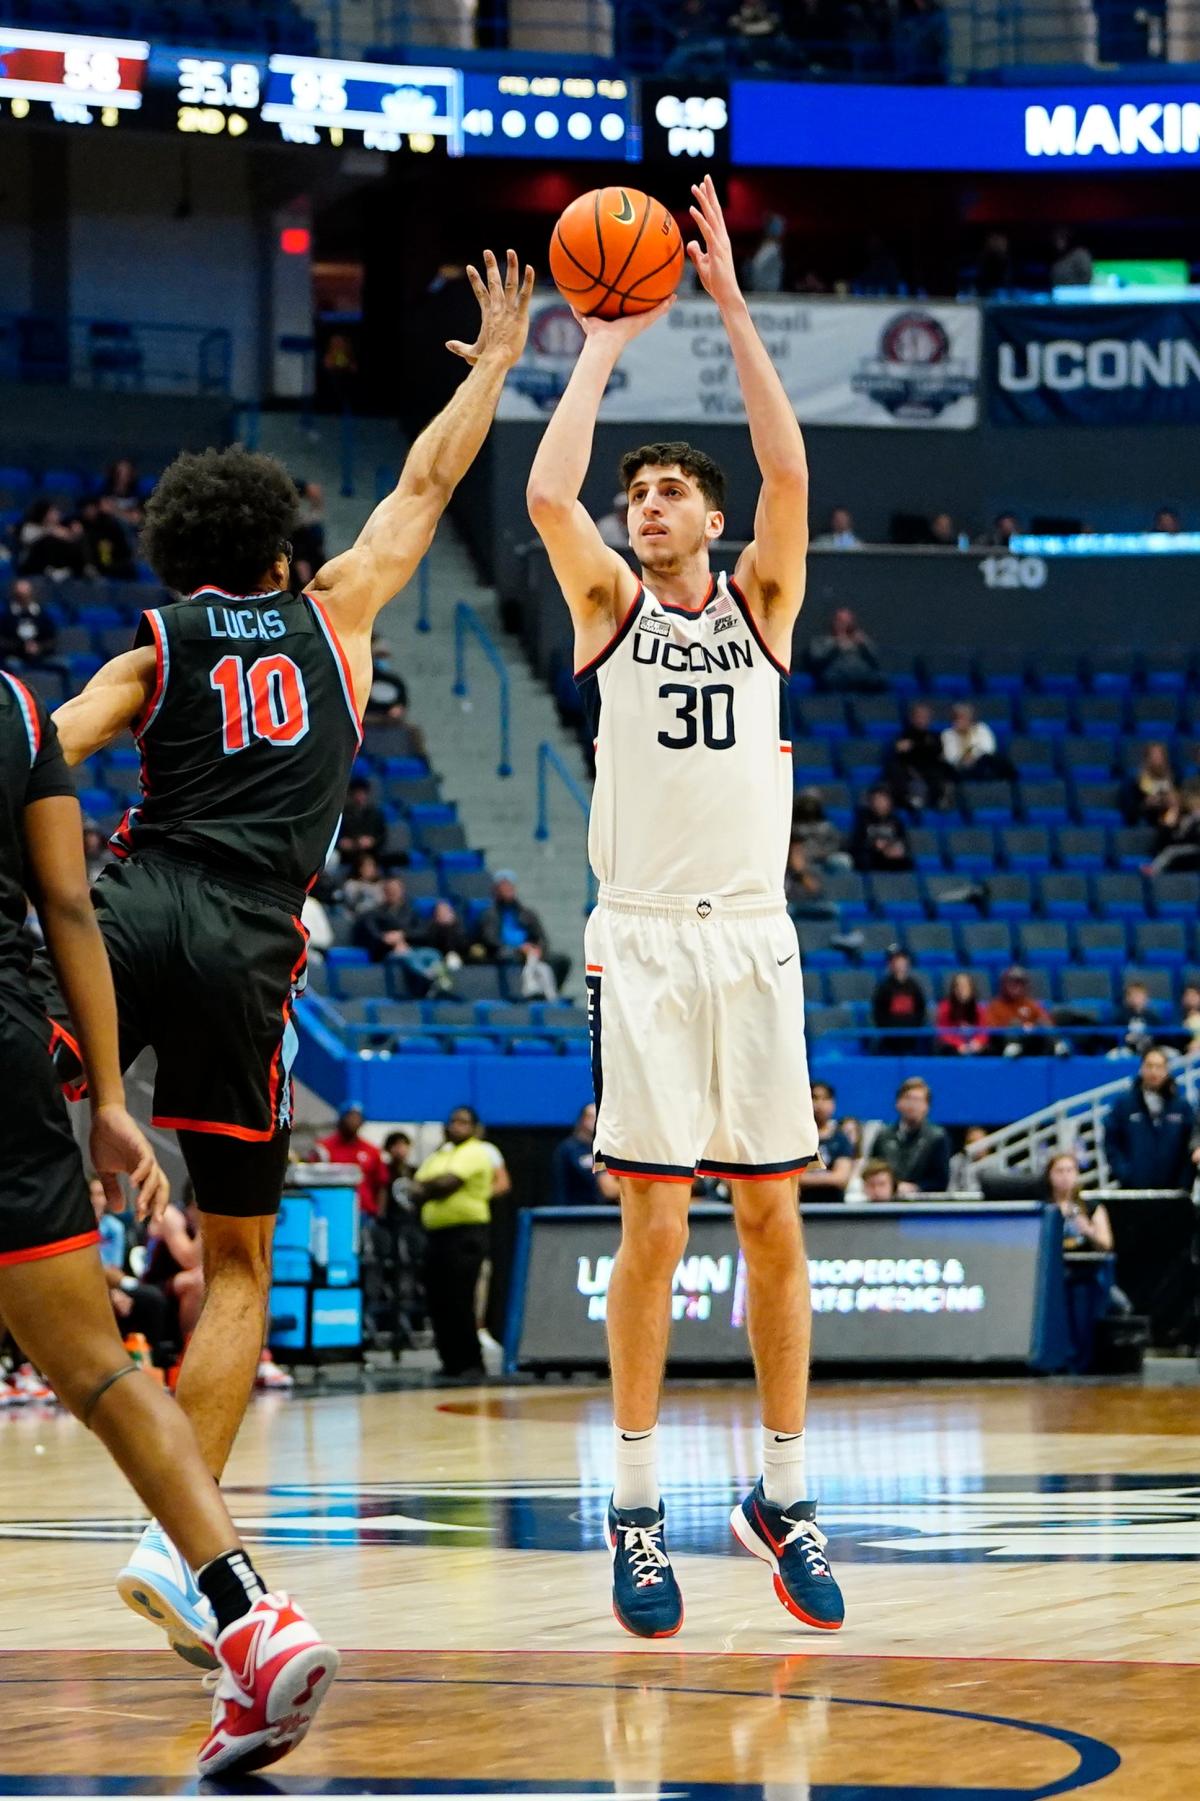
x=1021 y=1564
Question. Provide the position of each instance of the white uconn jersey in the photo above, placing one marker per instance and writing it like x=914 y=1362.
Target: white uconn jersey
x=693 y=787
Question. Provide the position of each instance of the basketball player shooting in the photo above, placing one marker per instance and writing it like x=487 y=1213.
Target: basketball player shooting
x=696 y=1001
x=246 y=701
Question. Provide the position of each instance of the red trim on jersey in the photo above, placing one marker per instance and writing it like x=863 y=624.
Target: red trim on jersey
x=615 y=639
x=786 y=749
x=288 y=1005
x=245 y=1133
x=159 y=665
x=28 y=706
x=670 y=606
x=752 y=622
x=594 y=969
x=61 y=1246
x=343 y=661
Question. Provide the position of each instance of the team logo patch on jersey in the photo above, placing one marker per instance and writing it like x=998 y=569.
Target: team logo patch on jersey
x=704 y=908
x=724 y=623
x=656 y=624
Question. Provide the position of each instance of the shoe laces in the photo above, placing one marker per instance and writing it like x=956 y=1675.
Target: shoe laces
x=811 y=1542
x=643 y=1548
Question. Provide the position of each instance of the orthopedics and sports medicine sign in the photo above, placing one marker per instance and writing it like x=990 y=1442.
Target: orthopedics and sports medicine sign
x=1094 y=365
x=889 y=363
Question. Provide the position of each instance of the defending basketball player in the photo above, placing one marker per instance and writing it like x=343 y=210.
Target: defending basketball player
x=274 y=1667
x=246 y=703
x=695 y=996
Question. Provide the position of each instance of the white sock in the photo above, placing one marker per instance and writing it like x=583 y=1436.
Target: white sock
x=636 y=1482
x=784 y=1476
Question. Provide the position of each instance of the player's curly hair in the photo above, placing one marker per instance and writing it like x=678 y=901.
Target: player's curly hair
x=708 y=476
x=219 y=518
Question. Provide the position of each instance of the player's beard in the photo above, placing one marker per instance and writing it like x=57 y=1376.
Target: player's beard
x=665 y=556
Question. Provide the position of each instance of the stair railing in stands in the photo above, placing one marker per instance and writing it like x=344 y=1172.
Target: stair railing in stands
x=468 y=623
x=549 y=762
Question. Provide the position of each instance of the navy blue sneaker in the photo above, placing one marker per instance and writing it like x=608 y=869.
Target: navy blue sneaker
x=789 y=1539
x=646 y=1597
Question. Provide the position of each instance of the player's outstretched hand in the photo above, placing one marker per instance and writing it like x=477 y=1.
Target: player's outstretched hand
x=503 y=308
x=714 y=258
x=119 y=1148
x=621 y=331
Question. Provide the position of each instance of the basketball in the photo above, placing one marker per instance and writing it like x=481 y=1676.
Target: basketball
x=616 y=251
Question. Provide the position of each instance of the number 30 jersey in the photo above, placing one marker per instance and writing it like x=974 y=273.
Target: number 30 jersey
x=249 y=737
x=688 y=710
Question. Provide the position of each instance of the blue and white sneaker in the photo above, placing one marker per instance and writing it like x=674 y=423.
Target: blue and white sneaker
x=646 y=1597
x=789 y=1539
x=157 y=1584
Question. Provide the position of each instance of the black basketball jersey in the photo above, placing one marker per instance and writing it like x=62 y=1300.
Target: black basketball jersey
x=32 y=767
x=249 y=737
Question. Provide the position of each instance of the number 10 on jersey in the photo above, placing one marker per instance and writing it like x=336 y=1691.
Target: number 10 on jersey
x=267 y=701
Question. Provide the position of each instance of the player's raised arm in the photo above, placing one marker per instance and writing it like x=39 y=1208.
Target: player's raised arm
x=358 y=584
x=113 y=701
x=772 y=570
x=596 y=581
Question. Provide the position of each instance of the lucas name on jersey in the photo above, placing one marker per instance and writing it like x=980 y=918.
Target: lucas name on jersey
x=244 y=623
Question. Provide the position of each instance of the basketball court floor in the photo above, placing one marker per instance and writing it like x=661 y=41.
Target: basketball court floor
x=1020 y=1562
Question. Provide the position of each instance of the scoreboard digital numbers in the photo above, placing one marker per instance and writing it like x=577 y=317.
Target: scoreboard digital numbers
x=314 y=100
x=77 y=79
x=562 y=116
x=685 y=122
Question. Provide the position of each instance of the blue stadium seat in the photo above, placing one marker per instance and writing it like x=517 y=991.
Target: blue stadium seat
x=1132 y=846
x=845 y=986
x=1083 y=847
x=1099 y=803
x=877 y=716
x=1176 y=896
x=1043 y=941
x=419 y=1044
x=1087 y=759
x=898 y=896
x=478 y=982
x=96 y=801
x=812 y=761
x=986 y=943
x=358 y=980
x=464 y=885
x=821 y=1020
x=848 y=891
x=971 y=848
x=1102 y=941
x=1114 y=671
x=1033 y=757
x=1154 y=715
x=1046 y=715
x=839 y=804
x=946 y=672
x=1168 y=678
x=67 y=482
x=1025 y=847
x=1064 y=897
x=877 y=935
x=1009 y=896
x=1003 y=671
x=1158 y=983
x=949 y=895
x=1119 y=895
x=1161 y=941
x=50 y=685
x=926 y=848
x=823 y=716
x=1100 y=715
x=815 y=949
x=1057 y=672
x=995 y=710
x=1086 y=986
x=814 y=986
x=930 y=941
x=989 y=803
x=400 y=1015
x=16 y=482
x=859 y=759
x=1044 y=802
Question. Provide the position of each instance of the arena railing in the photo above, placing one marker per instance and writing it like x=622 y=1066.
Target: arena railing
x=550 y=763
x=130 y=355
x=467 y=623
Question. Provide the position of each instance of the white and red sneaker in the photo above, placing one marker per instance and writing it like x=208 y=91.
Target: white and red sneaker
x=275 y=1669
x=29 y=1385
x=270 y=1375
x=10 y=1395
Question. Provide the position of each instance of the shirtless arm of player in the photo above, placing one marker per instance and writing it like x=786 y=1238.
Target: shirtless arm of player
x=359 y=583
x=597 y=583
x=771 y=571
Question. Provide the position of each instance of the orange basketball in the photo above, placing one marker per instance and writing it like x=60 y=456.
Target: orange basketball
x=616 y=251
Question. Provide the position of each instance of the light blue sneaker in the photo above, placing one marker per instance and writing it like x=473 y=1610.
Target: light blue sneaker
x=157 y=1584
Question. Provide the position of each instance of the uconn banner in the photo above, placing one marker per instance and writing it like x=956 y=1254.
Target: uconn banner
x=1094 y=365
x=843 y=362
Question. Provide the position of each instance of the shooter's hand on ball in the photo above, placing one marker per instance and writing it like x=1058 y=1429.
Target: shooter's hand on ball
x=714 y=258
x=619 y=332
x=504 y=311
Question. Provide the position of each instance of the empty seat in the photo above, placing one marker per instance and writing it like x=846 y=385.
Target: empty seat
x=1064 y=897
x=839 y=803
x=465 y=885
x=1154 y=715
x=1169 y=677
x=1033 y=757
x=1057 y=672
x=859 y=759
x=561 y=1016
x=814 y=986
x=1046 y=715
x=1042 y=941
x=1044 y=801
x=971 y=848
x=1082 y=846
x=1114 y=671
x=1087 y=759
x=422 y=884
x=448 y=1013
x=946 y=671
x=1025 y=847
x=360 y=980
x=1176 y=896
x=954 y=896
x=1119 y=895
x=1132 y=846
x=511 y=1015
x=1160 y=941
x=925 y=847
x=1077 y=985
x=877 y=716
x=877 y=936
x=845 y=986
x=1102 y=941
x=1100 y=715
x=987 y=942
x=1099 y=802
x=995 y=710
x=435 y=839
x=815 y=949
x=812 y=761
x=1003 y=671
x=399 y=1015
x=848 y=892
x=1009 y=896
x=823 y=716
x=989 y=802
x=820 y=1021
x=930 y=940
x=898 y=896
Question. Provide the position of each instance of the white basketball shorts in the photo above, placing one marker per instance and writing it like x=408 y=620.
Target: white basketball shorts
x=696 y=1011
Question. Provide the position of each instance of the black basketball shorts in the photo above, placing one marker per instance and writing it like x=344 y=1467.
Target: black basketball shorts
x=44 y=1205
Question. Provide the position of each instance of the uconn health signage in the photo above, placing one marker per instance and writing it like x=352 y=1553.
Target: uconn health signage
x=1093 y=365
x=801 y=125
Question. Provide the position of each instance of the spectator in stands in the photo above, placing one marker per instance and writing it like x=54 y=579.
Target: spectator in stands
x=964 y=1165
x=763 y=273
x=1005 y=526
x=878 y=1180
x=820 y=837
x=175 y=1260
x=27 y=634
x=120 y=489
x=1189 y=1012
x=138 y=1306
x=1179 y=832
x=388 y=699
x=444 y=933
x=363 y=824
x=109 y=544
x=943 y=532
x=386 y=930
x=1086 y=1225
x=1014 y=1011
x=916 y=1150
x=454 y=1187
x=48 y=544
x=345 y=1144
x=960 y=1031
x=1071 y=262
x=969 y=746
x=804 y=888
x=1150 y=794
x=308 y=536
x=1140 y=1019
x=397 y=1153
x=574 y=1179
x=364 y=889
x=844 y=660
x=880 y=841
x=1150 y=1133
x=95 y=849
x=1167 y=520
x=511 y=933
x=915 y=770
x=613 y=526
x=826 y=1180
x=839 y=534
x=899 y=1001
